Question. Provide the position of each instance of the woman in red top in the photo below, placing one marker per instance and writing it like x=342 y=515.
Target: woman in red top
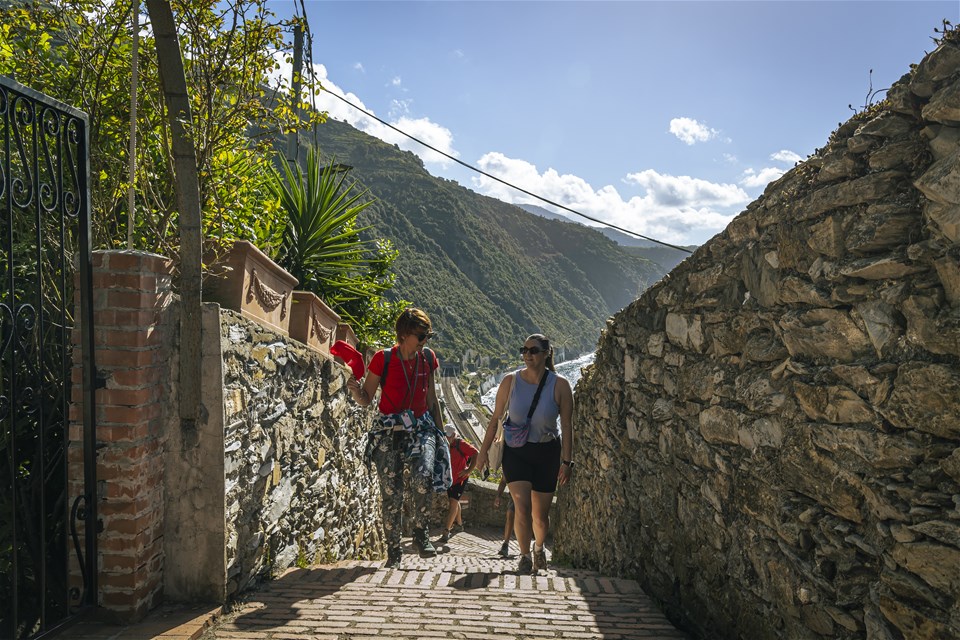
x=406 y=430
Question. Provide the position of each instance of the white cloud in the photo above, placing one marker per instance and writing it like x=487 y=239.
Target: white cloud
x=678 y=191
x=677 y=209
x=785 y=155
x=690 y=131
x=729 y=157
x=422 y=128
x=358 y=66
x=752 y=179
x=396 y=81
x=430 y=132
x=399 y=108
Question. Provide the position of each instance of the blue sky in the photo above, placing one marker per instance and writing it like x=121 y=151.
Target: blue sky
x=662 y=117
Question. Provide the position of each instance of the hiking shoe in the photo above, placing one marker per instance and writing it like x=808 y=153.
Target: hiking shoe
x=444 y=538
x=422 y=540
x=458 y=528
x=393 y=559
x=539 y=560
x=525 y=566
x=504 y=549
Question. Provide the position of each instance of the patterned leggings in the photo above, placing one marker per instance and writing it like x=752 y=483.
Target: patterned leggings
x=390 y=456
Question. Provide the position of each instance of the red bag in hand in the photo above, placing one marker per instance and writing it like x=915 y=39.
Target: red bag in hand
x=350 y=356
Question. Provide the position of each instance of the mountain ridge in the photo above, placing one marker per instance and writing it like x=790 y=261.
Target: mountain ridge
x=489 y=273
x=664 y=256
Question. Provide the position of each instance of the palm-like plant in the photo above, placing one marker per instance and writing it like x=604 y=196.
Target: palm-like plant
x=322 y=244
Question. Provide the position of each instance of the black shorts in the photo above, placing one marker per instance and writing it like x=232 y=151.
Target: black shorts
x=535 y=462
x=456 y=490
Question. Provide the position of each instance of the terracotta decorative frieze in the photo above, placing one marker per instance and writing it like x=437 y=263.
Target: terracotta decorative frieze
x=248 y=281
x=312 y=322
x=345 y=332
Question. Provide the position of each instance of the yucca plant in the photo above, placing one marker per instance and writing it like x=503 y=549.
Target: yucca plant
x=322 y=245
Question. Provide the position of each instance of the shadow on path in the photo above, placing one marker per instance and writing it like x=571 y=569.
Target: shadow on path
x=287 y=599
x=468 y=591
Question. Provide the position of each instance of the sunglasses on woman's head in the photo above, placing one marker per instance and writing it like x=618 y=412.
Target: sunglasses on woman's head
x=532 y=350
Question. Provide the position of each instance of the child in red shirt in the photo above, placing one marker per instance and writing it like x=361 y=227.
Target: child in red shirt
x=463 y=458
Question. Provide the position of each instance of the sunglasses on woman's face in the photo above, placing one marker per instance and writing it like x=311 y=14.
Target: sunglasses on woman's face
x=423 y=337
x=532 y=350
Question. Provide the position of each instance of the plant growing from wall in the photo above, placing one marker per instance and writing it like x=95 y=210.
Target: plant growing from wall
x=324 y=248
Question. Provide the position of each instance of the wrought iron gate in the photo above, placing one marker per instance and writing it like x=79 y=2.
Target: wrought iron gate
x=44 y=239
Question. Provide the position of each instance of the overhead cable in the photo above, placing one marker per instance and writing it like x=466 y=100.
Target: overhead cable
x=502 y=181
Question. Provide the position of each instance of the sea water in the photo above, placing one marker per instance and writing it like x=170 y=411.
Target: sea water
x=569 y=369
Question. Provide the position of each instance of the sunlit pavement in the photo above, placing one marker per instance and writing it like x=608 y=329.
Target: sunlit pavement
x=467 y=591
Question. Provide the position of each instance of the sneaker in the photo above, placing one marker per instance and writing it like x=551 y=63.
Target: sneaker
x=444 y=538
x=525 y=566
x=458 y=528
x=504 y=549
x=422 y=541
x=539 y=559
x=393 y=559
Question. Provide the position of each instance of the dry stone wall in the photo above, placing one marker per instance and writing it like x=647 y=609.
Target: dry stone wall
x=297 y=487
x=769 y=439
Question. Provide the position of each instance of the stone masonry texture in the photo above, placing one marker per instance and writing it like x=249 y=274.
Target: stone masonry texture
x=297 y=488
x=769 y=440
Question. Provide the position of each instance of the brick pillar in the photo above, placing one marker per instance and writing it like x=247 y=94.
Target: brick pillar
x=131 y=290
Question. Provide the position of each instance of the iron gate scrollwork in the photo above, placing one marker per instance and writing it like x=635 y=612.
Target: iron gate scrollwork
x=44 y=239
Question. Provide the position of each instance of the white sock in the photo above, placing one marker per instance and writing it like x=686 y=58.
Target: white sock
x=537 y=546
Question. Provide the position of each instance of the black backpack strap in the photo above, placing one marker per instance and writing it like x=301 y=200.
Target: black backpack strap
x=536 y=396
x=386 y=366
x=431 y=358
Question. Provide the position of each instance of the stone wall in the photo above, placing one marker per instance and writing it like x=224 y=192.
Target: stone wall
x=770 y=437
x=270 y=476
x=297 y=488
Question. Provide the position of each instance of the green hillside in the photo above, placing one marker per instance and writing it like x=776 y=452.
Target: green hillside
x=487 y=272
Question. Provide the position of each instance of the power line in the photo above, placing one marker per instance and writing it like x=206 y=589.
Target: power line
x=502 y=181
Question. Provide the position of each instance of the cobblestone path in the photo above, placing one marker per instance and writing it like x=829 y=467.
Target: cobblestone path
x=467 y=591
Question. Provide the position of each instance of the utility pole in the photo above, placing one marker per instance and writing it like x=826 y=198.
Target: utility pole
x=293 y=144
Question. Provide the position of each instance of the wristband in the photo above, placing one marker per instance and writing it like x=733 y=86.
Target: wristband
x=569 y=463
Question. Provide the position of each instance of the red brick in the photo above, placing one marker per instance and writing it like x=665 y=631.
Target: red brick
x=128 y=397
x=129 y=300
x=134 y=378
x=122 y=434
x=140 y=579
x=125 y=281
x=132 y=526
x=140 y=337
x=131 y=358
x=142 y=544
x=133 y=508
x=136 y=262
x=127 y=415
x=120 y=454
x=118 y=562
x=126 y=317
